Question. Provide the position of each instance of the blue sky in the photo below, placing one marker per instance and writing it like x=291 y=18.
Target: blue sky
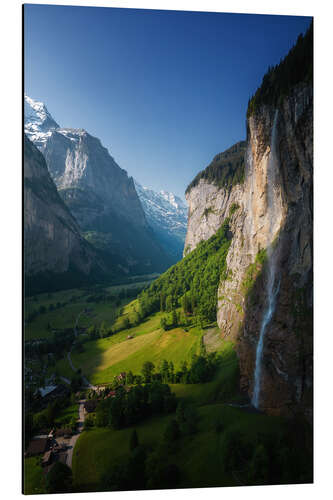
x=164 y=91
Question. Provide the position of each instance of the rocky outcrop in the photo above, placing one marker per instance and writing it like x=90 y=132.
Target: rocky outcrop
x=267 y=212
x=53 y=245
x=208 y=205
x=212 y=193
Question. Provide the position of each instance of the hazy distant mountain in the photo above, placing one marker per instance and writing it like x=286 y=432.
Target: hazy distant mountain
x=167 y=215
x=97 y=191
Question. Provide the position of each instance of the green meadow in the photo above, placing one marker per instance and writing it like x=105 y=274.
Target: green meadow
x=72 y=302
x=104 y=358
x=199 y=456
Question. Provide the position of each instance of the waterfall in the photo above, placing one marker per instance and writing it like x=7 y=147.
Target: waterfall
x=272 y=288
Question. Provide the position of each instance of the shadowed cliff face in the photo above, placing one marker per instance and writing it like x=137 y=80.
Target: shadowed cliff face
x=52 y=240
x=268 y=216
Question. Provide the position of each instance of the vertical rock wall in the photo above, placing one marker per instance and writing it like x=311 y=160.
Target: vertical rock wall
x=287 y=354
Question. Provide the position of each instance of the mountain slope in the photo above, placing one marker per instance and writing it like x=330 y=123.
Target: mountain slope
x=167 y=215
x=55 y=253
x=98 y=193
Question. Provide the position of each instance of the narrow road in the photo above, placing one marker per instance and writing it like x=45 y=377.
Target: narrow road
x=75 y=437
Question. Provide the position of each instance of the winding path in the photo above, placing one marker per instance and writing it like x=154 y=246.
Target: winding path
x=76 y=436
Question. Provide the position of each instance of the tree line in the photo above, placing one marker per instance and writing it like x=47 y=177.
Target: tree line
x=295 y=68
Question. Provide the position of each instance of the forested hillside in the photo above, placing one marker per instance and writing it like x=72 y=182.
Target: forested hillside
x=193 y=282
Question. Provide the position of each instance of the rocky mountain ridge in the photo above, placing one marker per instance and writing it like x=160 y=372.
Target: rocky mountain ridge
x=98 y=193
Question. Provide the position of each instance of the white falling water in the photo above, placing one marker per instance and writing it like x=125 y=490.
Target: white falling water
x=272 y=288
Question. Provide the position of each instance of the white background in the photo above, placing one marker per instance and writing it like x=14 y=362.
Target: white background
x=10 y=288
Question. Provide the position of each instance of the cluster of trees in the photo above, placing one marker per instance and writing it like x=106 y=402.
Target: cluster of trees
x=130 y=406
x=193 y=282
x=142 y=468
x=43 y=310
x=295 y=68
x=95 y=332
x=226 y=170
x=200 y=370
x=152 y=468
x=45 y=418
x=57 y=345
x=270 y=458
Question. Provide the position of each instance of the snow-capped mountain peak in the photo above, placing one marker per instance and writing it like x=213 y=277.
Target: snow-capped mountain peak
x=174 y=200
x=166 y=213
x=38 y=122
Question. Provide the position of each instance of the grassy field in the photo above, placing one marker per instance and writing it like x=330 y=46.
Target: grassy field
x=107 y=357
x=34 y=478
x=198 y=456
x=75 y=301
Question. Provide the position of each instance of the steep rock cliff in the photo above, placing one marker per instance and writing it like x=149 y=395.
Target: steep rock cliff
x=212 y=193
x=270 y=214
x=53 y=245
x=102 y=198
x=286 y=231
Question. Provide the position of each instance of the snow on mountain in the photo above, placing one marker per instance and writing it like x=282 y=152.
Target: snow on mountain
x=38 y=122
x=167 y=215
x=69 y=163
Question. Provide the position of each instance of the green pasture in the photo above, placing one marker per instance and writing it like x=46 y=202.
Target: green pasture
x=102 y=359
x=65 y=316
x=198 y=456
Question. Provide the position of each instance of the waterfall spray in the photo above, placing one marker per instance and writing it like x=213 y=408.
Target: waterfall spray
x=272 y=288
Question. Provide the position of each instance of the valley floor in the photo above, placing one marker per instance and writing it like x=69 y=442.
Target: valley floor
x=229 y=446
